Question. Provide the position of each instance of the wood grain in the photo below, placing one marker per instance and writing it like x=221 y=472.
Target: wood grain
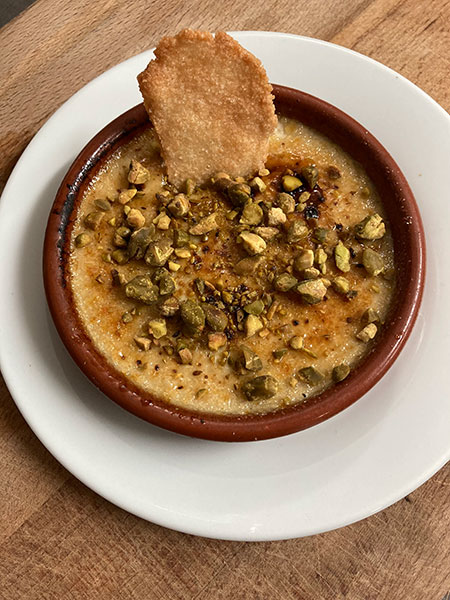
x=59 y=540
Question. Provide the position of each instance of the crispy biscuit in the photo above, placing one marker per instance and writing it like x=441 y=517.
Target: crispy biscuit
x=211 y=104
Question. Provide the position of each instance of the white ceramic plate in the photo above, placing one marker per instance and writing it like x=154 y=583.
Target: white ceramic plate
x=338 y=472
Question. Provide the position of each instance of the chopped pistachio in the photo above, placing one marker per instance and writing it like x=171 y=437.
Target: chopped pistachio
x=258 y=185
x=102 y=204
x=138 y=173
x=253 y=324
x=252 y=214
x=112 y=222
x=239 y=193
x=135 y=219
x=123 y=232
x=304 y=260
x=312 y=291
x=254 y=308
x=296 y=343
x=118 y=279
x=142 y=343
x=185 y=356
x=216 y=340
x=179 y=206
x=126 y=209
x=82 y=240
x=120 y=256
x=106 y=257
x=141 y=288
x=342 y=257
x=320 y=234
x=311 y=375
x=252 y=243
x=279 y=354
x=297 y=231
x=311 y=175
x=126 y=195
x=93 y=219
x=367 y=333
x=169 y=307
x=206 y=225
x=247 y=265
x=180 y=238
x=340 y=372
x=158 y=253
x=369 y=316
x=158 y=328
x=162 y=221
x=260 y=388
x=139 y=241
x=182 y=253
x=267 y=233
x=127 y=317
x=232 y=214
x=192 y=316
x=276 y=217
x=222 y=182
x=320 y=256
x=263 y=172
x=372 y=261
x=119 y=241
x=341 y=285
x=370 y=228
x=286 y=202
x=290 y=183
x=189 y=186
x=309 y=352
x=284 y=282
x=227 y=297
x=216 y=319
x=311 y=273
x=173 y=266
x=166 y=284
x=250 y=360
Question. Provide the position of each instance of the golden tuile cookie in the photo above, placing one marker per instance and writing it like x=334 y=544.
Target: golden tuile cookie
x=211 y=104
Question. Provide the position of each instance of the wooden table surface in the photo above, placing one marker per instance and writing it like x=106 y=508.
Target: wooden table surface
x=60 y=540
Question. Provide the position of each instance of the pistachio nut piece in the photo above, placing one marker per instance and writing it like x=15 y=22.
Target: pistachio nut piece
x=253 y=324
x=284 y=282
x=141 y=288
x=340 y=372
x=169 y=307
x=247 y=265
x=250 y=360
x=342 y=257
x=260 y=388
x=254 y=308
x=239 y=193
x=252 y=214
x=252 y=243
x=370 y=228
x=304 y=260
x=138 y=173
x=367 y=333
x=216 y=319
x=311 y=175
x=312 y=291
x=290 y=183
x=276 y=217
x=82 y=240
x=206 y=225
x=311 y=375
x=139 y=241
x=370 y=316
x=216 y=341
x=297 y=231
x=158 y=328
x=126 y=195
x=372 y=261
x=192 y=316
x=158 y=253
x=286 y=202
x=93 y=219
x=179 y=206
x=340 y=285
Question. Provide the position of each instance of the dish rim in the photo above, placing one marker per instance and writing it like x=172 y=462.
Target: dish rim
x=238 y=427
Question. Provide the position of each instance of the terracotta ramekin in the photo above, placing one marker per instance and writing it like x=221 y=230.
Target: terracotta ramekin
x=409 y=241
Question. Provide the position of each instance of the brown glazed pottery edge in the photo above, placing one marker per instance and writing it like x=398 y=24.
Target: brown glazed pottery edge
x=409 y=247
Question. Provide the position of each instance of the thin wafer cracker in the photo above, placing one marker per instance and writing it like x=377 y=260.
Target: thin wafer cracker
x=211 y=104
